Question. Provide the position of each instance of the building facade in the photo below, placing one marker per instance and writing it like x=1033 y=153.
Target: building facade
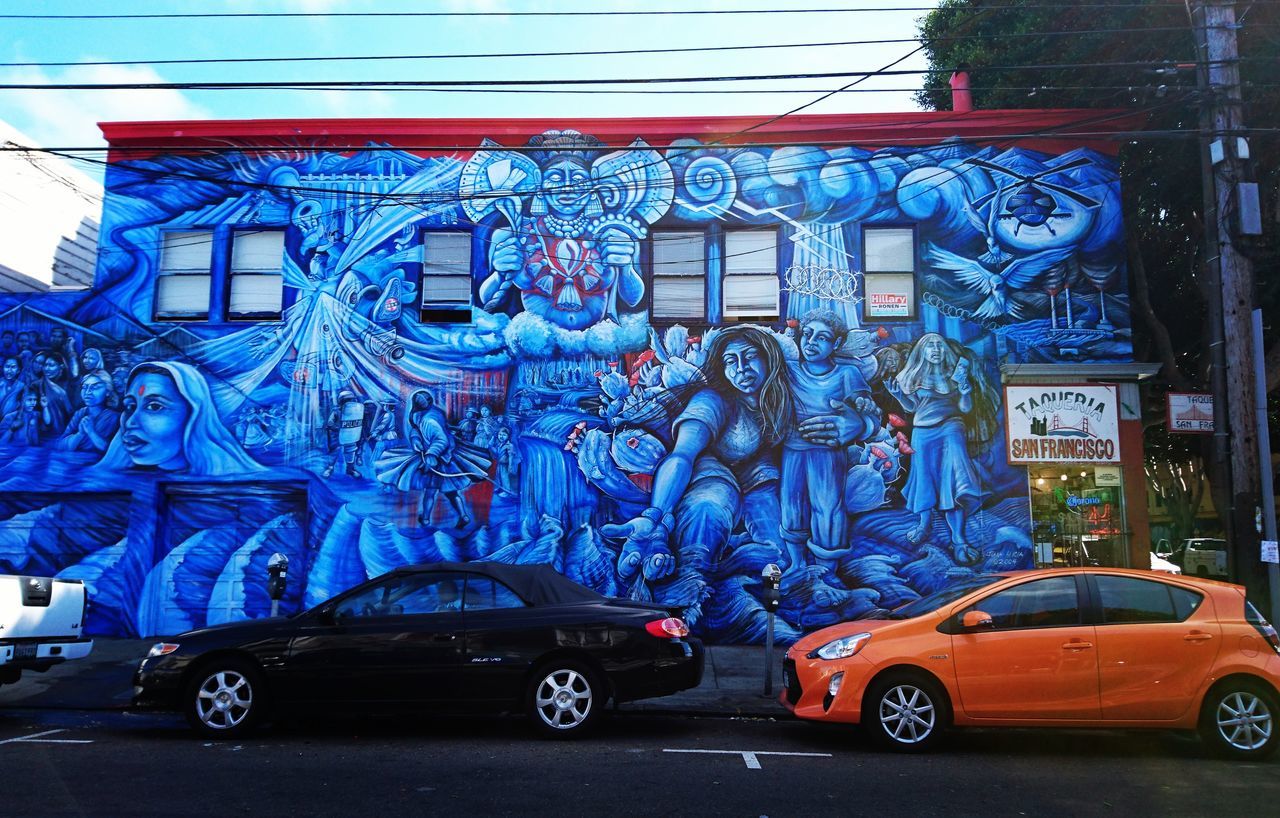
x=882 y=352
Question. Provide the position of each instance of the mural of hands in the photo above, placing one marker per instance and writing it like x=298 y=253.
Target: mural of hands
x=618 y=248
x=645 y=550
x=848 y=423
x=506 y=257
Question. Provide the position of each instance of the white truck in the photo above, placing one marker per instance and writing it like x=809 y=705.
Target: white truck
x=41 y=624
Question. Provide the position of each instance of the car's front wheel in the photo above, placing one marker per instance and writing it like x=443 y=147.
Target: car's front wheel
x=564 y=699
x=1239 y=720
x=225 y=699
x=905 y=713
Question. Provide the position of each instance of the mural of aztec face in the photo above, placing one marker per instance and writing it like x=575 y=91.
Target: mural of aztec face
x=164 y=461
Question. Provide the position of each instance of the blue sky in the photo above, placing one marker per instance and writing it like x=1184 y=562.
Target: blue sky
x=68 y=118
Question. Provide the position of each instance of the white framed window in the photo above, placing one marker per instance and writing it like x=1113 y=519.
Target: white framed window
x=446 y=277
x=750 y=287
x=679 y=275
x=257 y=276
x=184 y=279
x=889 y=272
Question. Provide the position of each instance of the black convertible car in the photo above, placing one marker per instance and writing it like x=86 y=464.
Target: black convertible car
x=447 y=636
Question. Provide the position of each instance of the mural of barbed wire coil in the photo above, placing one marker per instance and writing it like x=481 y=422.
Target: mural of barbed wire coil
x=955 y=311
x=823 y=282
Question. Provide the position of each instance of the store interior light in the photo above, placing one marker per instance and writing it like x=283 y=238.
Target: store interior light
x=1039 y=481
x=1064 y=477
x=1084 y=474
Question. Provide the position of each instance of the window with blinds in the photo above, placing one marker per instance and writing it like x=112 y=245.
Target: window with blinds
x=751 y=273
x=679 y=278
x=889 y=272
x=257 y=278
x=184 y=279
x=446 y=277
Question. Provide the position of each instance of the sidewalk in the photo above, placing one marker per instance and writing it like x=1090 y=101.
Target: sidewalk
x=732 y=683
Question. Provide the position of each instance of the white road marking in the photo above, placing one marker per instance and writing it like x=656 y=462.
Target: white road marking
x=36 y=738
x=751 y=757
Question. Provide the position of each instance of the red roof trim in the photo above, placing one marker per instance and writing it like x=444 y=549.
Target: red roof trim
x=873 y=130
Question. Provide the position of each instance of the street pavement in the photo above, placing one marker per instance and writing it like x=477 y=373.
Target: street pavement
x=732 y=683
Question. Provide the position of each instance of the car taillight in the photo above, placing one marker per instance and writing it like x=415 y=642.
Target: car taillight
x=669 y=628
x=1262 y=626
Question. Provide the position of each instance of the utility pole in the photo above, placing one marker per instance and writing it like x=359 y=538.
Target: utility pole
x=1236 y=426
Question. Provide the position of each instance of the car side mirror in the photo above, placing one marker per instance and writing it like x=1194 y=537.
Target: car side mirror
x=973 y=620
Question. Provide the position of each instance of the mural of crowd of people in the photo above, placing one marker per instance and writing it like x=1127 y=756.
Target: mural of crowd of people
x=666 y=461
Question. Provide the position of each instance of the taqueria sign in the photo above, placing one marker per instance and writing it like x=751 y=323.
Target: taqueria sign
x=1062 y=424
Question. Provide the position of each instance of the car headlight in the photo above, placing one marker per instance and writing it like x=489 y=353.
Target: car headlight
x=841 y=648
x=161 y=649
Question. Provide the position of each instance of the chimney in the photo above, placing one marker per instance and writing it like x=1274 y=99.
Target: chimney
x=961 y=99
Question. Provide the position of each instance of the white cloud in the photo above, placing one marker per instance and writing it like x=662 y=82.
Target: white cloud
x=70 y=118
x=356 y=104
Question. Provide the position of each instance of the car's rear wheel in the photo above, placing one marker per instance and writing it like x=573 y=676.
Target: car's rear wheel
x=565 y=699
x=1239 y=720
x=906 y=713
x=225 y=699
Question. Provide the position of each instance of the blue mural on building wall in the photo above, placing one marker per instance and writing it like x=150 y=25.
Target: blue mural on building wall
x=164 y=462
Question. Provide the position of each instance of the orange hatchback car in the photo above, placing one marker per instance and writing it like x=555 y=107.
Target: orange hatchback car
x=1083 y=647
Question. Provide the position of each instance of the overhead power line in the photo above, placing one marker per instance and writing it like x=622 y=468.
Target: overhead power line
x=601 y=52
x=392 y=84
x=611 y=13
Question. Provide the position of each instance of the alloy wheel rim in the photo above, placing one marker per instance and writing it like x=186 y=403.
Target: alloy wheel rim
x=1244 y=721
x=907 y=714
x=563 y=699
x=224 y=700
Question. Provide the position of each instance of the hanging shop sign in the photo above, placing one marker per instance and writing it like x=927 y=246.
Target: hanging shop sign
x=1062 y=424
x=1190 y=412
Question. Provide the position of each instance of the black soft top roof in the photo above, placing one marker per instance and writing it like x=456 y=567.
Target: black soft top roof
x=536 y=584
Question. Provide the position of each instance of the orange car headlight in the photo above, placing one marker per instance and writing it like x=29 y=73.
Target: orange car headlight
x=841 y=648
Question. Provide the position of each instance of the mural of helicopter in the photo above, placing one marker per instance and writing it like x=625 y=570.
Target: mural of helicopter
x=1028 y=200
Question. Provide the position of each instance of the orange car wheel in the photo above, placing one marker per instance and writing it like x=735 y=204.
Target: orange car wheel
x=1240 y=720
x=906 y=712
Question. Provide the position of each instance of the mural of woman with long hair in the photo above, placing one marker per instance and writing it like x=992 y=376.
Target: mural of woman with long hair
x=435 y=462
x=936 y=385
x=170 y=423
x=723 y=467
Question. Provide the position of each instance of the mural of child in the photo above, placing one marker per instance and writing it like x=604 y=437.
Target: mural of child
x=486 y=427
x=936 y=385
x=435 y=463
x=93 y=425
x=170 y=423
x=21 y=426
x=507 y=458
x=834 y=409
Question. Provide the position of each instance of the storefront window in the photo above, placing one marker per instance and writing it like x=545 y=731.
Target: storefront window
x=1074 y=520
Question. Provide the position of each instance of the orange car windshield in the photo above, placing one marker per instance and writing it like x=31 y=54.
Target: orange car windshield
x=937 y=599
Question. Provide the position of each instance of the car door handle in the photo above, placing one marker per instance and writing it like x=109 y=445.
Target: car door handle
x=1197 y=636
x=1076 y=644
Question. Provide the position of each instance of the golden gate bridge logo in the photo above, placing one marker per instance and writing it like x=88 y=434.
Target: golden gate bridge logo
x=1057 y=427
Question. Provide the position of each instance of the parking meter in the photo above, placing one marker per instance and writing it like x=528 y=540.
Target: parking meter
x=277 y=573
x=772 y=576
